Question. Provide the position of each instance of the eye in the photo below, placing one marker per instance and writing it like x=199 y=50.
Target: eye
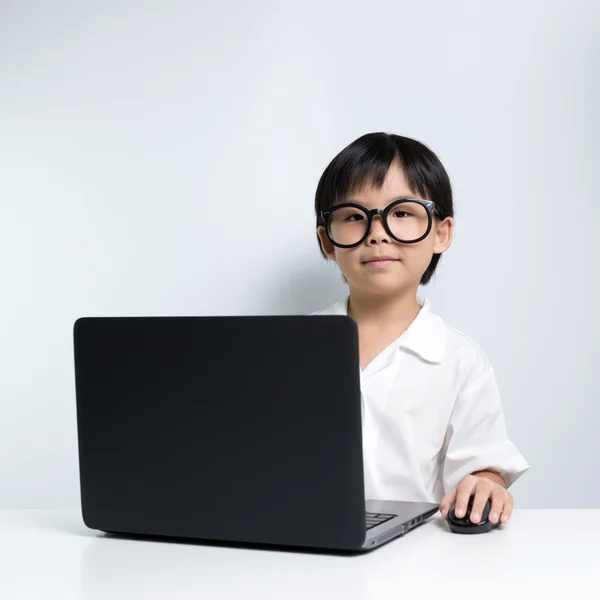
x=354 y=217
x=399 y=214
x=348 y=215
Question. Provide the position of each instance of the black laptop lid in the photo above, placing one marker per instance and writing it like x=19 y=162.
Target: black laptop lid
x=243 y=429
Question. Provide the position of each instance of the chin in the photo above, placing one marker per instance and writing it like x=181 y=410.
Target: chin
x=381 y=285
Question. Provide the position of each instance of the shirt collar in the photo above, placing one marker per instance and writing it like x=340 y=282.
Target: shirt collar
x=426 y=336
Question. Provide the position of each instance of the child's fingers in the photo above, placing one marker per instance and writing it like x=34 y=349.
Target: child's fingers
x=463 y=494
x=482 y=494
x=497 y=505
x=508 y=509
x=447 y=501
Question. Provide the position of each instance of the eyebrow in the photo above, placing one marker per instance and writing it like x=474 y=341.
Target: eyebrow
x=402 y=197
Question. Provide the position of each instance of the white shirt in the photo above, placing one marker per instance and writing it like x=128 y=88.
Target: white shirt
x=431 y=413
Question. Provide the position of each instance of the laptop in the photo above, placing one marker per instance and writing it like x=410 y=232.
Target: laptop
x=242 y=429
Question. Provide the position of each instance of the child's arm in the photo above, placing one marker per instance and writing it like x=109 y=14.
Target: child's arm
x=479 y=458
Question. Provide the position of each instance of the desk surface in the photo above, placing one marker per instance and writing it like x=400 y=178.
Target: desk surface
x=52 y=555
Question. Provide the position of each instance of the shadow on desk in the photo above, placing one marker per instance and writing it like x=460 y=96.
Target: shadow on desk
x=112 y=565
x=157 y=565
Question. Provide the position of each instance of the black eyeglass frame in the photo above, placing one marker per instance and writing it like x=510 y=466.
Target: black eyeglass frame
x=429 y=206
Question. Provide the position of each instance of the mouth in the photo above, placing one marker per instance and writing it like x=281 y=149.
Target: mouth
x=381 y=261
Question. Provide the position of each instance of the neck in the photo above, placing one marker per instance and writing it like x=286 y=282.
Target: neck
x=381 y=310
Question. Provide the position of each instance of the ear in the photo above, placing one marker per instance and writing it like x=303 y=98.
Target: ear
x=443 y=235
x=327 y=247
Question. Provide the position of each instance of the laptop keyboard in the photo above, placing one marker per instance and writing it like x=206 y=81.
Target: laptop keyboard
x=374 y=519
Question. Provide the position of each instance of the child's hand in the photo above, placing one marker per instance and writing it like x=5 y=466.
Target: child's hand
x=485 y=485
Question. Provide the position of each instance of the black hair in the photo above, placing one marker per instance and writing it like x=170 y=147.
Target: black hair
x=366 y=161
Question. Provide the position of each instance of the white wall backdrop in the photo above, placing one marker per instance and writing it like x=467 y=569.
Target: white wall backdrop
x=161 y=156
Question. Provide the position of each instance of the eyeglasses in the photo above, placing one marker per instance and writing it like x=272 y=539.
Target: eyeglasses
x=407 y=221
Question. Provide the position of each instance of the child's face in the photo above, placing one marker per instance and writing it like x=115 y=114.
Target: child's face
x=410 y=260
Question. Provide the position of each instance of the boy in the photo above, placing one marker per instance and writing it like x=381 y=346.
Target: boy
x=433 y=426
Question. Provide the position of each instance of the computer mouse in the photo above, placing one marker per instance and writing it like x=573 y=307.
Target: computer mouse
x=464 y=524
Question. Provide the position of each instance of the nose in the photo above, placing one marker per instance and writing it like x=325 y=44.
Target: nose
x=378 y=234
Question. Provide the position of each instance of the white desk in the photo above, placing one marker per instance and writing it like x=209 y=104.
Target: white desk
x=49 y=555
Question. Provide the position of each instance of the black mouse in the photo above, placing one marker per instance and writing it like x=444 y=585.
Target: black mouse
x=464 y=524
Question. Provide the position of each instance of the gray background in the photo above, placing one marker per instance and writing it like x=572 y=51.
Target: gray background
x=160 y=157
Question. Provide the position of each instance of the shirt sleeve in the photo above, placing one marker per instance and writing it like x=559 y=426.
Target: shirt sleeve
x=476 y=437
